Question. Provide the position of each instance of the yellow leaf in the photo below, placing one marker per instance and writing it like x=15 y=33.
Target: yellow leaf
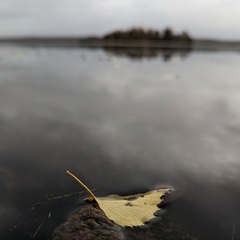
x=132 y=210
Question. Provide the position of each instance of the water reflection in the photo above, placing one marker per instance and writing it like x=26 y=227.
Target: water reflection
x=123 y=127
x=147 y=53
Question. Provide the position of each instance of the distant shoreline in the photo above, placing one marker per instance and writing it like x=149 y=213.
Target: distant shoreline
x=101 y=43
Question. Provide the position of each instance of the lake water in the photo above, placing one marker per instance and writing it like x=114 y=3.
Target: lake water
x=124 y=124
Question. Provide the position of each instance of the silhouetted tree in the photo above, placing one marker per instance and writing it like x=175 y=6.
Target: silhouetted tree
x=184 y=36
x=149 y=34
x=167 y=34
x=134 y=33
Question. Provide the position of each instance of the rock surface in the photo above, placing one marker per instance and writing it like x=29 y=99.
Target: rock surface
x=89 y=223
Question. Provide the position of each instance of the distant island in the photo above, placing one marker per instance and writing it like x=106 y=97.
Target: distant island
x=148 y=34
x=133 y=38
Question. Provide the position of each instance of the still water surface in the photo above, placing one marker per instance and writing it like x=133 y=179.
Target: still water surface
x=122 y=125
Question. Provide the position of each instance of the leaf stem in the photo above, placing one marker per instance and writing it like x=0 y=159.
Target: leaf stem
x=82 y=184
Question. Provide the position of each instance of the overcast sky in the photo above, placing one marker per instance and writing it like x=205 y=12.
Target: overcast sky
x=201 y=18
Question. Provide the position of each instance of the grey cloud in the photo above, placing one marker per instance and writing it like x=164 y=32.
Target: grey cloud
x=201 y=19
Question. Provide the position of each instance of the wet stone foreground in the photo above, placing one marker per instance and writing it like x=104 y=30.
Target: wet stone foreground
x=90 y=223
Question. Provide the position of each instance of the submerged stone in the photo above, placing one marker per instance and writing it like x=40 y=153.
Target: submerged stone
x=90 y=223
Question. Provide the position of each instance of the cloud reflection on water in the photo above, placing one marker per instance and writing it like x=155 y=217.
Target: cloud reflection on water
x=121 y=129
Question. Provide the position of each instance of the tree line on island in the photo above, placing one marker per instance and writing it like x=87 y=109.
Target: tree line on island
x=148 y=34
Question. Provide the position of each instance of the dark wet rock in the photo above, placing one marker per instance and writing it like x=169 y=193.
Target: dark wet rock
x=90 y=223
